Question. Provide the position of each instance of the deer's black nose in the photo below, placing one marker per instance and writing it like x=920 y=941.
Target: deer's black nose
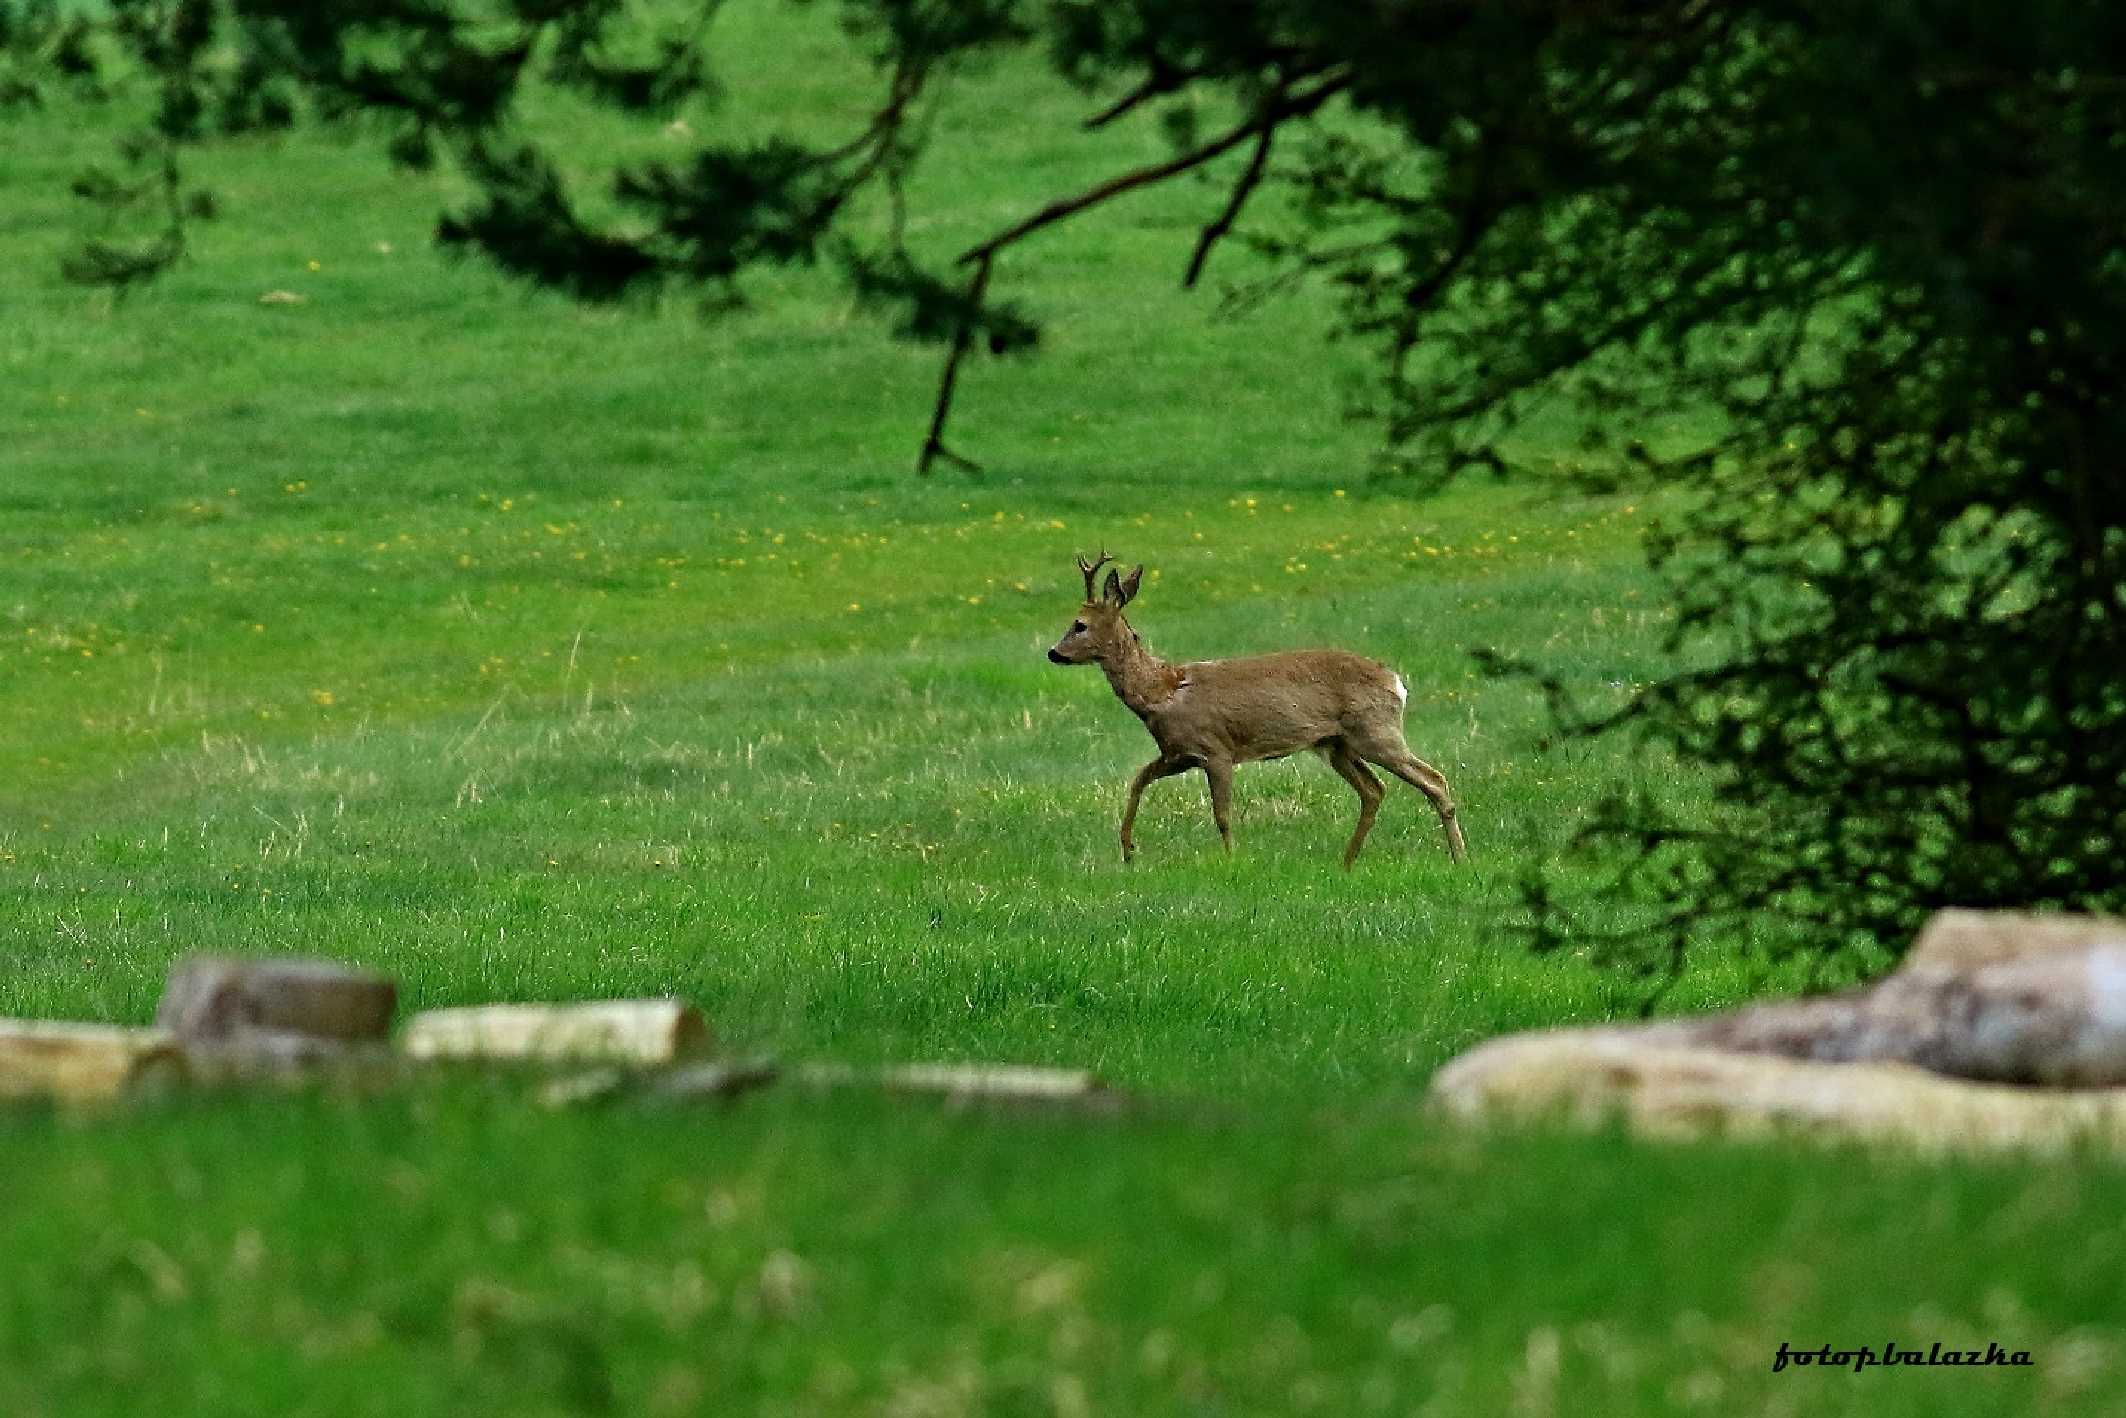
x=1058 y=659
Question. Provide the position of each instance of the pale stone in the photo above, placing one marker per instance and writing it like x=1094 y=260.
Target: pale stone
x=994 y=1080
x=1587 y=1076
x=1025 y=1082
x=83 y=1062
x=1965 y=1003
x=689 y=1083
x=1983 y=999
x=637 y=1033
x=575 y=1089
x=724 y=1079
x=1957 y=940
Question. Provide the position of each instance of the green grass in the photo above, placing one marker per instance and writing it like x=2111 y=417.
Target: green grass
x=531 y=652
x=458 y=1251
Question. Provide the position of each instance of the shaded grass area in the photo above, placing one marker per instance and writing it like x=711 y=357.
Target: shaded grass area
x=533 y=652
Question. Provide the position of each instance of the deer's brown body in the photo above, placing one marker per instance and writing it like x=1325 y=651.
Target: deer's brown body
x=1215 y=714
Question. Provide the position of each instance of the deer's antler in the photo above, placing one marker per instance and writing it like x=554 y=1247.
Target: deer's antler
x=1090 y=568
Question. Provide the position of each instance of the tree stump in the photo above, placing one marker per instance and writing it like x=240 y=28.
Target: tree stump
x=636 y=1033
x=220 y=997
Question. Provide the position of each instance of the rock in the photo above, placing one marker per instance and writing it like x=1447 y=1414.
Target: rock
x=575 y=1089
x=1982 y=1000
x=1587 y=1076
x=222 y=997
x=2057 y=1021
x=712 y=1080
x=277 y=1056
x=83 y=1062
x=1965 y=940
x=686 y=1084
x=637 y=1033
x=1967 y=1003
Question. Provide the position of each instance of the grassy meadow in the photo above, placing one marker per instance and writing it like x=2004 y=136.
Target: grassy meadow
x=533 y=652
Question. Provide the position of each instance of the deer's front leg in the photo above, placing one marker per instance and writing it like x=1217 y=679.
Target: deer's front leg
x=1150 y=773
x=1220 y=774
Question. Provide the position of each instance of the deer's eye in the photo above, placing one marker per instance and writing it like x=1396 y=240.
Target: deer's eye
x=1078 y=629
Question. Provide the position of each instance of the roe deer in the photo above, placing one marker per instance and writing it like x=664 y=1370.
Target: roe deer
x=1213 y=714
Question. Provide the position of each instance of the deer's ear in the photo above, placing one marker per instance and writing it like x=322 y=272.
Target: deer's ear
x=1128 y=585
x=1112 y=591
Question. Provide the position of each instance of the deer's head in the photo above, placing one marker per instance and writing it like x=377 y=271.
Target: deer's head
x=1099 y=629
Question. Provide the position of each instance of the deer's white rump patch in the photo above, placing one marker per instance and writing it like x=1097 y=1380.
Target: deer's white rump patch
x=1402 y=691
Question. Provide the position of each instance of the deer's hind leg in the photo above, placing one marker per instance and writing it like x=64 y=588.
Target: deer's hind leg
x=1364 y=784
x=1391 y=753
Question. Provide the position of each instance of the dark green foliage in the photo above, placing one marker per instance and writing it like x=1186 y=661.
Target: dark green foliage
x=41 y=47
x=934 y=310
x=1849 y=275
x=1905 y=571
x=525 y=219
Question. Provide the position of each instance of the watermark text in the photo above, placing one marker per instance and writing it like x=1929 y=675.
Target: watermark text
x=1893 y=1354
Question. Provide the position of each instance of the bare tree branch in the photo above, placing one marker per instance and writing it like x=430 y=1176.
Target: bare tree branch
x=1250 y=179
x=982 y=257
x=934 y=442
x=1163 y=79
x=1292 y=105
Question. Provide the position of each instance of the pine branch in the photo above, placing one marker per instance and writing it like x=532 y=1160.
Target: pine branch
x=1250 y=179
x=934 y=442
x=982 y=257
x=1292 y=105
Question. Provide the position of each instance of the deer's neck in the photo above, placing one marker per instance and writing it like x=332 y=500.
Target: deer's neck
x=1140 y=679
